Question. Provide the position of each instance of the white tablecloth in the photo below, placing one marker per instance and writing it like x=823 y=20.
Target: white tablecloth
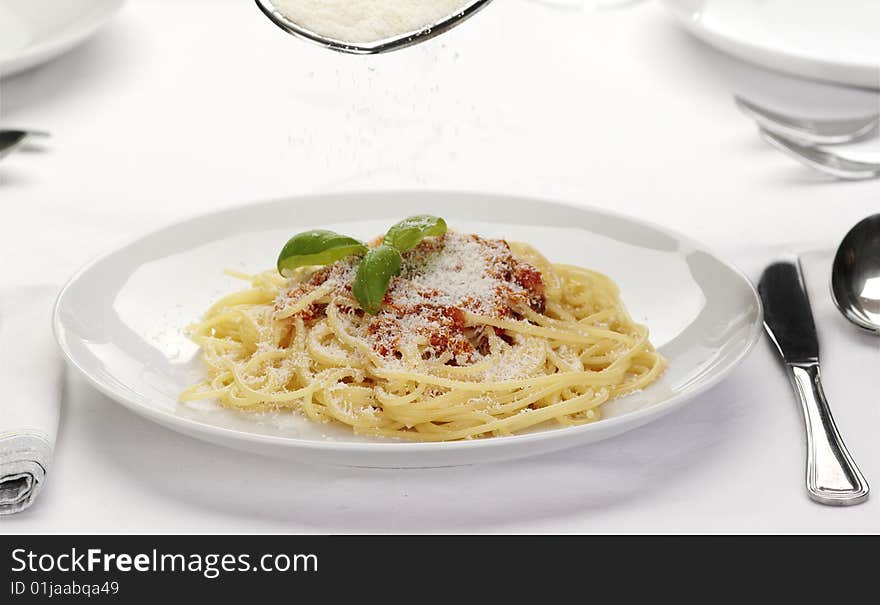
x=183 y=107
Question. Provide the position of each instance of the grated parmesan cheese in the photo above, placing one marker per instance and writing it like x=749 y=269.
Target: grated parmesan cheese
x=441 y=280
x=367 y=20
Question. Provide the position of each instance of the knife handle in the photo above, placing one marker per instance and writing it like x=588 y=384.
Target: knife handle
x=832 y=476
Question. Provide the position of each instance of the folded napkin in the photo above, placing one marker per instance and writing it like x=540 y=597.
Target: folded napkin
x=31 y=373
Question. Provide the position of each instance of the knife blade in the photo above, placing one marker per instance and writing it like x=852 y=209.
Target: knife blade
x=787 y=315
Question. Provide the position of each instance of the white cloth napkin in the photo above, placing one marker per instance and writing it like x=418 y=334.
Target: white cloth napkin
x=31 y=373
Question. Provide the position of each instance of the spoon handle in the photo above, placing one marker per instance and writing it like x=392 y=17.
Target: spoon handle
x=832 y=476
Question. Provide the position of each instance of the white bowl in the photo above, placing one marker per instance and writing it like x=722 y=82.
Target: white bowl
x=834 y=41
x=35 y=31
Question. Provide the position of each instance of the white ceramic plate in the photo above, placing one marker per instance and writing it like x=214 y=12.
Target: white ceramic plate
x=826 y=40
x=35 y=31
x=120 y=320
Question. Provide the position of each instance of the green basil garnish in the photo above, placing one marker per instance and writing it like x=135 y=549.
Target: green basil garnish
x=379 y=265
x=318 y=247
x=373 y=275
x=408 y=233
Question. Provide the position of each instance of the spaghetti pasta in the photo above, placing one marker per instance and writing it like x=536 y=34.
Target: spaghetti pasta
x=475 y=338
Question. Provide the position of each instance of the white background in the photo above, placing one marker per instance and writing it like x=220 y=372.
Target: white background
x=184 y=107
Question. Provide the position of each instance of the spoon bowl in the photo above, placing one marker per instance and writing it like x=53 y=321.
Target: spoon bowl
x=378 y=46
x=855 y=275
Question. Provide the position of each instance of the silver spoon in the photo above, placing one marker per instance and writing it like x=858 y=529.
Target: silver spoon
x=379 y=46
x=855 y=275
x=10 y=140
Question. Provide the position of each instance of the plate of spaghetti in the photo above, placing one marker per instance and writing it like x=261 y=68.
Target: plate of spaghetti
x=422 y=329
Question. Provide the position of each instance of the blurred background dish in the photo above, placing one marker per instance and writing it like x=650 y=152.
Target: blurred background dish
x=35 y=31
x=833 y=41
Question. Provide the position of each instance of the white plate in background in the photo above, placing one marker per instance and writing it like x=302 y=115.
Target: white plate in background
x=120 y=320
x=837 y=40
x=35 y=31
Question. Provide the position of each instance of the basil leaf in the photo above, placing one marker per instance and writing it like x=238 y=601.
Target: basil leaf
x=375 y=271
x=318 y=247
x=408 y=233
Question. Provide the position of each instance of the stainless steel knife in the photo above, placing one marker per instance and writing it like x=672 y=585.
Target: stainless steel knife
x=832 y=475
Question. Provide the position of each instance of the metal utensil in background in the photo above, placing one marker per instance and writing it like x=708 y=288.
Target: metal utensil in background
x=10 y=140
x=371 y=48
x=855 y=275
x=823 y=160
x=811 y=131
x=832 y=476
